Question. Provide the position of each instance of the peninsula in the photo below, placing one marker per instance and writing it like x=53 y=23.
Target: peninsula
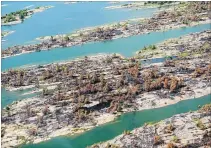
x=6 y=33
x=183 y=15
x=78 y=95
x=19 y=16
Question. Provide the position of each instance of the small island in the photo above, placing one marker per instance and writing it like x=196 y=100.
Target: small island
x=70 y=2
x=78 y=95
x=183 y=15
x=19 y=16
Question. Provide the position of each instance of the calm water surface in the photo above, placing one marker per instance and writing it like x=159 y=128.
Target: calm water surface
x=8 y=97
x=67 y=18
x=63 y=18
x=125 y=46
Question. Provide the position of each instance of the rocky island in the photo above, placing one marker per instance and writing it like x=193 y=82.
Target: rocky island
x=184 y=14
x=78 y=95
x=19 y=16
x=188 y=130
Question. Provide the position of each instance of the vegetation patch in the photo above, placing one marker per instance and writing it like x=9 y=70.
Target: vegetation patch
x=200 y=124
x=205 y=108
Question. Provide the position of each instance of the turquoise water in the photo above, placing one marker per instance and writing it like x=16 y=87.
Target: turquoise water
x=63 y=18
x=127 y=121
x=8 y=97
x=156 y=60
x=67 y=18
x=125 y=46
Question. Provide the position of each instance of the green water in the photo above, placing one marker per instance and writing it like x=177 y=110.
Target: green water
x=68 y=20
x=8 y=97
x=127 y=121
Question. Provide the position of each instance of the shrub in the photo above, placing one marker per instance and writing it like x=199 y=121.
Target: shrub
x=184 y=54
x=153 y=47
x=175 y=139
x=153 y=103
x=169 y=128
x=126 y=132
x=200 y=125
x=7 y=108
x=33 y=132
x=151 y=123
x=144 y=48
x=171 y=145
x=112 y=146
x=157 y=140
x=45 y=91
x=205 y=108
x=66 y=38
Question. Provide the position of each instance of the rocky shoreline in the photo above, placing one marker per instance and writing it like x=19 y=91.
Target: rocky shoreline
x=164 y=20
x=6 y=33
x=143 y=5
x=178 y=47
x=85 y=91
x=191 y=129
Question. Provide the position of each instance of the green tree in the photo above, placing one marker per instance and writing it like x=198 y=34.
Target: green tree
x=66 y=38
x=21 y=16
x=153 y=47
x=44 y=91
